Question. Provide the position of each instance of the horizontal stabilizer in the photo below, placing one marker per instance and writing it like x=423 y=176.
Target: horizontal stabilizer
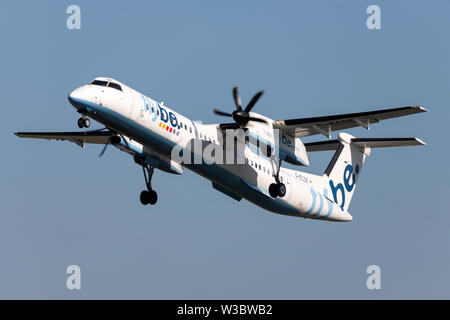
x=387 y=142
x=364 y=143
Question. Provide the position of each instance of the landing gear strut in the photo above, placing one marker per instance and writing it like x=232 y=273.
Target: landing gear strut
x=84 y=122
x=277 y=189
x=148 y=196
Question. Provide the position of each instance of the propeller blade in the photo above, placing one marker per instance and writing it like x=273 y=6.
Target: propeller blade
x=124 y=140
x=237 y=98
x=241 y=117
x=257 y=120
x=102 y=129
x=103 y=151
x=221 y=113
x=252 y=102
x=227 y=126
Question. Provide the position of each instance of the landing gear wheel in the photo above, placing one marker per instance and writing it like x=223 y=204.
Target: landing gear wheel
x=84 y=122
x=143 y=197
x=281 y=190
x=277 y=190
x=148 y=197
x=152 y=197
x=273 y=190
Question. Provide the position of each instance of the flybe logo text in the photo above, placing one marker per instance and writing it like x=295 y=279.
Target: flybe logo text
x=168 y=117
x=349 y=178
x=168 y=120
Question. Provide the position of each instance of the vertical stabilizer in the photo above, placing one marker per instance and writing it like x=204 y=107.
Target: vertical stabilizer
x=344 y=169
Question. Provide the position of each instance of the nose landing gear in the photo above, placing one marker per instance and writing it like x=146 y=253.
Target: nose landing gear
x=148 y=196
x=84 y=122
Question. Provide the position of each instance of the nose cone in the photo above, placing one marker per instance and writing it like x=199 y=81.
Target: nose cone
x=78 y=98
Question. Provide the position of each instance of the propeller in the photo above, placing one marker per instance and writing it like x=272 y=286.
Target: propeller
x=103 y=150
x=242 y=116
x=114 y=140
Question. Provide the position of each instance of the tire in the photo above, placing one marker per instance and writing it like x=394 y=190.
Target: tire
x=273 y=191
x=281 y=190
x=144 y=197
x=80 y=123
x=86 y=123
x=152 y=197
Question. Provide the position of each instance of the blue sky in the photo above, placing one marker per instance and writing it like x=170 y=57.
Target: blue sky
x=61 y=205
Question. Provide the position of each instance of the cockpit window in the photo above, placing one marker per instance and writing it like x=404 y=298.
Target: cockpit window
x=115 y=86
x=99 y=83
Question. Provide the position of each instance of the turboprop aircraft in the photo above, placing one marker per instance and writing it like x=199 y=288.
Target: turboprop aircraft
x=159 y=138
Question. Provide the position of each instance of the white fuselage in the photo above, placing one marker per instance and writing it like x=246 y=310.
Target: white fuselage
x=153 y=130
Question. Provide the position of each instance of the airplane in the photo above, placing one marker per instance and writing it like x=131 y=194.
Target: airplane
x=150 y=132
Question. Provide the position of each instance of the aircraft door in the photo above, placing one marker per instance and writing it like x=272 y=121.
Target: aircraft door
x=143 y=105
x=136 y=105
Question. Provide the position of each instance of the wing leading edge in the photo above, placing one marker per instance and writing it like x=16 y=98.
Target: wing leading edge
x=324 y=125
x=80 y=138
x=365 y=143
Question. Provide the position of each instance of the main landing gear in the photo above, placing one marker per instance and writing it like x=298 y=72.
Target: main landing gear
x=148 y=196
x=277 y=189
x=84 y=122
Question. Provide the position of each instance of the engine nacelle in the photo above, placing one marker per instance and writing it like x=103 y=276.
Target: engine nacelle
x=293 y=151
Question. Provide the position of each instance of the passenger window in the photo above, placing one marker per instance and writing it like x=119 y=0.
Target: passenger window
x=190 y=129
x=153 y=110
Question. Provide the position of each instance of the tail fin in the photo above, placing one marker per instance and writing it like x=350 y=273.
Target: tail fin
x=345 y=167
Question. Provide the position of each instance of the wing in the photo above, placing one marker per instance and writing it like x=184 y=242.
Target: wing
x=80 y=138
x=127 y=145
x=324 y=125
x=365 y=142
